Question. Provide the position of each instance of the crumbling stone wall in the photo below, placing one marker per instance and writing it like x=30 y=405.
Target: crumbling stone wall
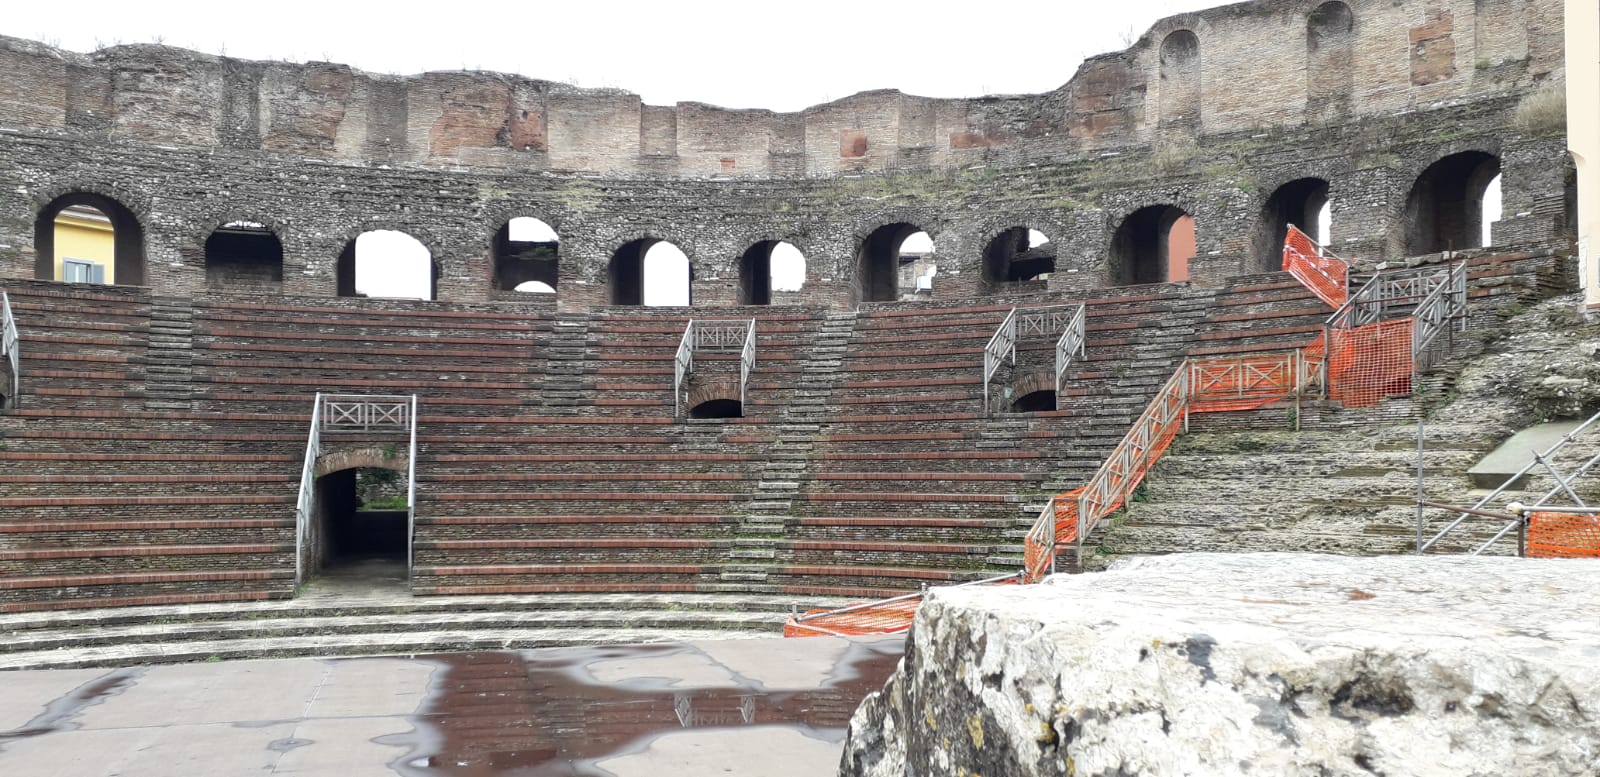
x=1250 y=96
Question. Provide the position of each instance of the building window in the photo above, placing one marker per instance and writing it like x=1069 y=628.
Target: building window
x=82 y=271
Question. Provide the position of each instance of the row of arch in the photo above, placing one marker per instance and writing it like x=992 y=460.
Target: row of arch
x=1446 y=209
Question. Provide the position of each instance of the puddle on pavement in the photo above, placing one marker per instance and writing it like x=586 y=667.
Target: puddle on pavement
x=62 y=714
x=540 y=714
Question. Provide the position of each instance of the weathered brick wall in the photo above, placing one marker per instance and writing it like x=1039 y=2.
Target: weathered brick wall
x=1270 y=92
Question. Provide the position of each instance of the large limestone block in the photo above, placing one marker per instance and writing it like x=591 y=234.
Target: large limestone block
x=1259 y=664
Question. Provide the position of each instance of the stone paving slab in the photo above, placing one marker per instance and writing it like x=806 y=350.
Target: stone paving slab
x=340 y=717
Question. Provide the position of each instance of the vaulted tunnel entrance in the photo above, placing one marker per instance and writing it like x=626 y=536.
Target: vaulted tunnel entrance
x=359 y=532
x=1153 y=245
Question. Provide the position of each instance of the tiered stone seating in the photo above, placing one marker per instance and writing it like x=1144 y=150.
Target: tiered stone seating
x=86 y=345
x=1260 y=313
x=108 y=508
x=917 y=360
x=273 y=357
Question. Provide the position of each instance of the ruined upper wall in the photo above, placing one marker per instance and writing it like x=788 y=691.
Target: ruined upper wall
x=1242 y=67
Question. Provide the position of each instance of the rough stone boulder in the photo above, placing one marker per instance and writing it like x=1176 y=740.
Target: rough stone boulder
x=1262 y=664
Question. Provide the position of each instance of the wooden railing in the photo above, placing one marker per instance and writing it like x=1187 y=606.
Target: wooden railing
x=10 y=348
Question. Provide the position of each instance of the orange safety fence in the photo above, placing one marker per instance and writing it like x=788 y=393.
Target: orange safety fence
x=1563 y=535
x=890 y=616
x=1327 y=276
x=1368 y=362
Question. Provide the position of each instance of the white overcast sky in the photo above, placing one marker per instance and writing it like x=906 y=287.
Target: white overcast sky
x=783 y=56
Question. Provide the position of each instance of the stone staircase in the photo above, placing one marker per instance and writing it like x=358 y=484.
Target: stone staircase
x=332 y=620
x=564 y=388
x=169 y=368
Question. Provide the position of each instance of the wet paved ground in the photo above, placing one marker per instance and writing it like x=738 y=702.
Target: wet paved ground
x=753 y=707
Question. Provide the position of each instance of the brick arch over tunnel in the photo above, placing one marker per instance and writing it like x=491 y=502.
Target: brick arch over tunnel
x=715 y=399
x=379 y=456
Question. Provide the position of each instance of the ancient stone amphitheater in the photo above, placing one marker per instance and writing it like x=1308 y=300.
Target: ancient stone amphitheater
x=602 y=469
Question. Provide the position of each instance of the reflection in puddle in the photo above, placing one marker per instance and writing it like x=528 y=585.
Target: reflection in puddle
x=541 y=713
x=62 y=714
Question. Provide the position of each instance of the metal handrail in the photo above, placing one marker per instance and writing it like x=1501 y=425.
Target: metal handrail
x=860 y=606
x=1001 y=347
x=10 y=348
x=747 y=361
x=1125 y=468
x=411 y=494
x=1437 y=314
x=307 y=498
x=1071 y=343
x=1526 y=468
x=682 y=364
x=1373 y=301
x=1045 y=320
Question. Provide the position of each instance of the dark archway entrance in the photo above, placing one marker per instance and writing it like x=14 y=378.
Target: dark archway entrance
x=878 y=261
x=1035 y=402
x=244 y=254
x=1300 y=203
x=1143 y=248
x=718 y=408
x=1444 y=210
x=1016 y=255
x=360 y=528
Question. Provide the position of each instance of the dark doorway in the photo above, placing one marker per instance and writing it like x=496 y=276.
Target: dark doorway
x=1444 y=210
x=718 y=408
x=1142 y=248
x=878 y=261
x=360 y=527
x=1017 y=255
x=1035 y=402
x=244 y=253
x=1300 y=203
x=527 y=256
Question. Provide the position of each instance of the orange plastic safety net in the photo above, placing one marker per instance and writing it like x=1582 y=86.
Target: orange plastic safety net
x=1367 y=363
x=891 y=616
x=1563 y=535
x=1327 y=277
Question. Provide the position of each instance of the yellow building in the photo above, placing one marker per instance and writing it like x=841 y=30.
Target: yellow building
x=1583 y=134
x=85 y=246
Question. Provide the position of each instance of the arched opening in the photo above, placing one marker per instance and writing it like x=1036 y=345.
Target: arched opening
x=535 y=287
x=526 y=250
x=1301 y=203
x=1153 y=245
x=386 y=264
x=895 y=259
x=1035 y=402
x=770 y=266
x=1180 y=78
x=1445 y=208
x=359 y=527
x=1330 y=60
x=650 y=272
x=1017 y=255
x=718 y=408
x=88 y=238
x=244 y=253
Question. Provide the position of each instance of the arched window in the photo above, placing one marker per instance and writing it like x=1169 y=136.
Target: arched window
x=650 y=272
x=1018 y=254
x=769 y=266
x=1153 y=245
x=1180 y=79
x=244 y=253
x=387 y=264
x=88 y=238
x=526 y=256
x=1445 y=208
x=1302 y=202
x=895 y=259
x=1330 y=60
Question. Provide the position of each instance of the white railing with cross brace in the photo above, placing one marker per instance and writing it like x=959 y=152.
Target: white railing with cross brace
x=9 y=347
x=1442 y=312
x=347 y=413
x=1002 y=347
x=713 y=336
x=1069 y=345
